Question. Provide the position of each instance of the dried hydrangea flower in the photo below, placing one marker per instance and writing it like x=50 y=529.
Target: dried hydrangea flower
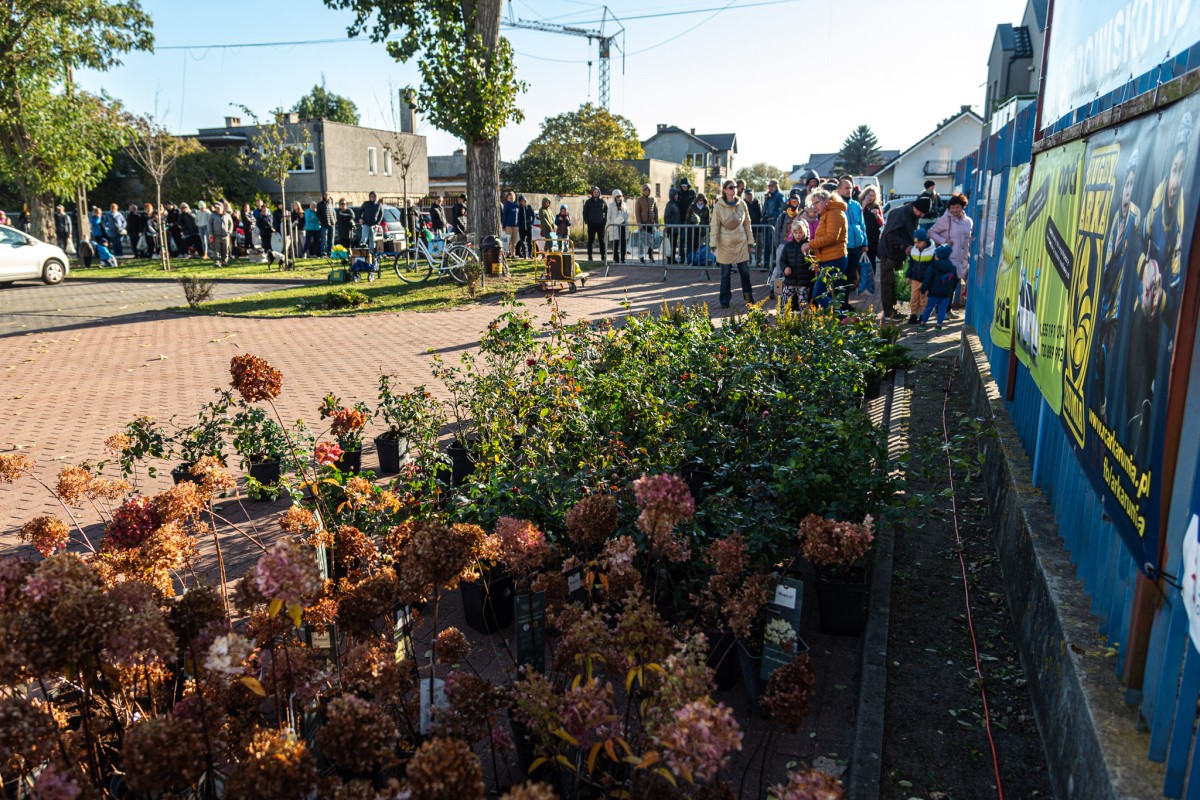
x=254 y=378
x=13 y=466
x=445 y=769
x=118 y=443
x=288 y=573
x=698 y=740
x=228 y=653
x=212 y=475
x=163 y=754
x=144 y=638
x=54 y=783
x=592 y=520
x=357 y=735
x=46 y=533
x=589 y=713
x=27 y=733
x=275 y=764
x=618 y=555
x=811 y=784
x=182 y=502
x=72 y=484
x=665 y=501
x=131 y=524
x=530 y=791
x=523 y=547
x=298 y=520
x=785 y=700
x=830 y=543
x=451 y=646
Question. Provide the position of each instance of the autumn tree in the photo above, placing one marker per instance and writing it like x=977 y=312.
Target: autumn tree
x=155 y=152
x=551 y=170
x=468 y=80
x=592 y=134
x=757 y=176
x=321 y=103
x=860 y=151
x=54 y=138
x=279 y=148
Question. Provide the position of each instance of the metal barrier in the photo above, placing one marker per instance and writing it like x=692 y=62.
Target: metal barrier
x=677 y=247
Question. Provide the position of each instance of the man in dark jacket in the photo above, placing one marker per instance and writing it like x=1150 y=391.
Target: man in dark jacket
x=595 y=217
x=62 y=227
x=437 y=220
x=327 y=215
x=458 y=216
x=894 y=244
x=687 y=196
x=672 y=216
x=265 y=231
x=370 y=215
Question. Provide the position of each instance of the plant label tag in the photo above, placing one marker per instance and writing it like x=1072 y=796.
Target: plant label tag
x=785 y=596
x=575 y=584
x=530 y=617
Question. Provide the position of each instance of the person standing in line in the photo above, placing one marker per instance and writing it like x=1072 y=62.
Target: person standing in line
x=437 y=217
x=812 y=180
x=618 y=226
x=783 y=225
x=955 y=229
x=936 y=207
x=562 y=227
x=828 y=246
x=546 y=224
x=698 y=214
x=595 y=218
x=525 y=219
x=203 y=218
x=756 y=221
x=919 y=259
x=941 y=276
x=895 y=243
x=62 y=228
x=687 y=196
x=458 y=216
x=246 y=223
x=645 y=214
x=221 y=224
x=731 y=237
x=298 y=230
x=795 y=267
x=856 y=235
x=312 y=231
x=95 y=224
x=189 y=231
x=672 y=217
x=135 y=223
x=873 y=222
x=114 y=228
x=150 y=228
x=265 y=231
x=508 y=221
x=370 y=215
x=327 y=214
x=772 y=208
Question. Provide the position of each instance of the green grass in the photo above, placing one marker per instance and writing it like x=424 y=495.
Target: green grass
x=388 y=293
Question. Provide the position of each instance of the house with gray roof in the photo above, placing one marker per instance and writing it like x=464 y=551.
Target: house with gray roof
x=714 y=152
x=1015 y=61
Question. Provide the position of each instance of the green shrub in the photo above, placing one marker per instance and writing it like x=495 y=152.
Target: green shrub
x=346 y=298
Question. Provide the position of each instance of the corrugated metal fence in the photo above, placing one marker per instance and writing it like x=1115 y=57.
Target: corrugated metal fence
x=1170 y=693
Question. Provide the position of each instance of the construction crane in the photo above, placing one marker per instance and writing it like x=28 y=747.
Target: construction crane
x=606 y=41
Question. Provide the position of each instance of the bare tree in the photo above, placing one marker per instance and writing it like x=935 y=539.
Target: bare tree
x=155 y=150
x=278 y=149
x=402 y=146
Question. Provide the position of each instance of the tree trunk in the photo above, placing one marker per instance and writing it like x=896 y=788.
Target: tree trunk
x=41 y=217
x=164 y=245
x=483 y=188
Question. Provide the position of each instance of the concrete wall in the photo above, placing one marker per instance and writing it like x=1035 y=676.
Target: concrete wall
x=661 y=176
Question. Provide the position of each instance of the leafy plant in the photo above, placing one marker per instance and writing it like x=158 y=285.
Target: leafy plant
x=346 y=298
x=196 y=290
x=206 y=436
x=256 y=437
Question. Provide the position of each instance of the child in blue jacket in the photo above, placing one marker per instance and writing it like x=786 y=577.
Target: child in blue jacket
x=941 y=278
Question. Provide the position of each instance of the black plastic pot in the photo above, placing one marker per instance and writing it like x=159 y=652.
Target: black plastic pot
x=527 y=753
x=462 y=465
x=697 y=479
x=751 y=665
x=265 y=472
x=723 y=659
x=843 y=599
x=351 y=461
x=488 y=603
x=874 y=389
x=183 y=473
x=389 y=453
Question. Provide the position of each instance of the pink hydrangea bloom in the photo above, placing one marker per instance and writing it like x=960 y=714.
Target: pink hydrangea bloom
x=699 y=738
x=288 y=573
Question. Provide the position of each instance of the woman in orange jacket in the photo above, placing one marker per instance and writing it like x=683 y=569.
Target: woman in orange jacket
x=828 y=245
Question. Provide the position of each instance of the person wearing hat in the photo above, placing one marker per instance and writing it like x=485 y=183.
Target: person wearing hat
x=919 y=258
x=783 y=224
x=546 y=222
x=645 y=212
x=938 y=284
x=618 y=226
x=811 y=181
x=508 y=220
x=595 y=218
x=772 y=207
x=562 y=226
x=672 y=217
x=687 y=196
x=894 y=245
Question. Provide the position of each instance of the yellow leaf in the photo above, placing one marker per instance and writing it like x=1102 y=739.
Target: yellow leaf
x=629 y=676
x=656 y=668
x=342 y=507
x=649 y=759
x=565 y=762
x=637 y=762
x=667 y=775
x=296 y=612
x=624 y=745
x=687 y=775
x=575 y=683
x=591 y=763
x=566 y=737
x=253 y=685
x=612 y=751
x=330 y=481
x=274 y=607
x=537 y=762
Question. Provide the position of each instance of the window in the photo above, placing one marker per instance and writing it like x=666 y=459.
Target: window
x=305 y=158
x=372 y=161
x=658 y=190
x=387 y=162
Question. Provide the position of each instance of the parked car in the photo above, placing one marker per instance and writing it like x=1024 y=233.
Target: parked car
x=393 y=223
x=23 y=257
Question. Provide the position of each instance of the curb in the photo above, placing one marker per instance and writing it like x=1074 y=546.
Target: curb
x=866 y=751
x=1093 y=748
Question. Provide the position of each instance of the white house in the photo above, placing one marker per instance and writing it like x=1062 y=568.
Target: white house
x=933 y=158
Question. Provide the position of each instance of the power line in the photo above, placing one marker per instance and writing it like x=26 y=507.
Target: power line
x=690 y=11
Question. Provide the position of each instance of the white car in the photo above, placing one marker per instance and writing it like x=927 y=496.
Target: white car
x=23 y=257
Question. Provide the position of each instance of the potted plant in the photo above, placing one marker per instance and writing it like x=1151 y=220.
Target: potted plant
x=205 y=437
x=346 y=425
x=413 y=420
x=840 y=553
x=264 y=446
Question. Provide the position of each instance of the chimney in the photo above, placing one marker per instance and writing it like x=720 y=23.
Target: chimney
x=233 y=122
x=693 y=131
x=408 y=114
x=662 y=126
x=460 y=152
x=965 y=108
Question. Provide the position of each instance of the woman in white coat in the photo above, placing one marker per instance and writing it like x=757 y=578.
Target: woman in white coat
x=618 y=226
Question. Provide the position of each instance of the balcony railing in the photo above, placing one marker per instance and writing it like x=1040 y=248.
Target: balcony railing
x=939 y=167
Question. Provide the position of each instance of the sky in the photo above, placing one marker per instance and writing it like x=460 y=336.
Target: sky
x=789 y=77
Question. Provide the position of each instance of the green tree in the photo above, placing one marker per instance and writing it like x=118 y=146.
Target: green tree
x=321 y=103
x=550 y=170
x=610 y=175
x=592 y=134
x=468 y=85
x=54 y=139
x=278 y=149
x=757 y=176
x=155 y=151
x=859 y=152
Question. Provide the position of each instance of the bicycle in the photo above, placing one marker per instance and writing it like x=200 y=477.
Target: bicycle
x=418 y=262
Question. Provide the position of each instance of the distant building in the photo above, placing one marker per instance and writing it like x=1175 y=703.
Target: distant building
x=662 y=175
x=933 y=157
x=448 y=174
x=1015 y=62
x=823 y=164
x=714 y=152
x=348 y=161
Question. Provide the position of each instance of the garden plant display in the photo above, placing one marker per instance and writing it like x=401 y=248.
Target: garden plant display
x=656 y=464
